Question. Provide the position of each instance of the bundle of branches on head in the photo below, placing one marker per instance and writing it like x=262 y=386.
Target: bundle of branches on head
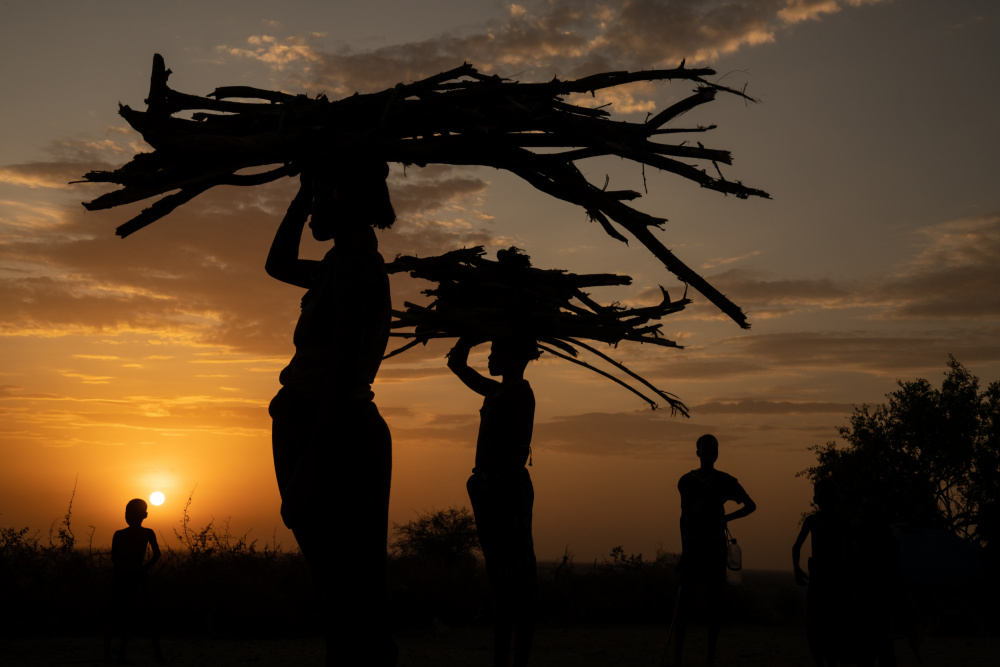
x=508 y=298
x=458 y=117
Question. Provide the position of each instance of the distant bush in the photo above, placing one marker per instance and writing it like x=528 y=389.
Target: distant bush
x=625 y=589
x=447 y=535
x=434 y=571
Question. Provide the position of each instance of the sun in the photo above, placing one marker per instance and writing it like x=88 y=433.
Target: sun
x=157 y=498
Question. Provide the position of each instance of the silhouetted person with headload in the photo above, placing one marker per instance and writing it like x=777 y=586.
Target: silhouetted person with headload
x=876 y=586
x=130 y=587
x=331 y=447
x=500 y=489
x=828 y=596
x=988 y=532
x=704 y=494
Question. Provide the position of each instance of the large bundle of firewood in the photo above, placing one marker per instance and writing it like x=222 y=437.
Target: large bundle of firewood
x=487 y=300
x=246 y=136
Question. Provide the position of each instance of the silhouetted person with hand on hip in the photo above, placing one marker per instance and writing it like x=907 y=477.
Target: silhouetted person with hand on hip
x=704 y=494
x=828 y=594
x=130 y=587
x=331 y=447
x=500 y=489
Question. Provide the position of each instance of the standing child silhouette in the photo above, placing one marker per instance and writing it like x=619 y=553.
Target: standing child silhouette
x=500 y=489
x=704 y=493
x=130 y=588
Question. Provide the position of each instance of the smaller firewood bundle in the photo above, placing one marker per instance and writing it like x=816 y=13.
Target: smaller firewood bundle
x=486 y=300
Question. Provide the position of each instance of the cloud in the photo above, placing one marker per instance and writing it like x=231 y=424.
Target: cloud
x=543 y=38
x=402 y=374
x=723 y=261
x=457 y=435
x=954 y=275
x=625 y=99
x=271 y=51
x=782 y=361
x=198 y=276
x=55 y=175
x=10 y=391
x=764 y=297
x=428 y=189
x=69 y=160
x=870 y=352
x=642 y=433
x=797 y=11
x=749 y=406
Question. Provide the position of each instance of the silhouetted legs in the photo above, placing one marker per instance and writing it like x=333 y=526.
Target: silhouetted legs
x=334 y=471
x=502 y=504
x=687 y=595
x=703 y=576
x=129 y=602
x=876 y=585
x=827 y=611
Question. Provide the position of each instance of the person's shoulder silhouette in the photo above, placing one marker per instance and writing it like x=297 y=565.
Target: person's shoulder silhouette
x=705 y=491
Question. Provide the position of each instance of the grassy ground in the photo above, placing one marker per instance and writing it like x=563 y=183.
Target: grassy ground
x=223 y=601
x=601 y=646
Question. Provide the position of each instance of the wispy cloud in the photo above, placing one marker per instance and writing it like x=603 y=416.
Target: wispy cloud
x=952 y=275
x=874 y=352
x=639 y=433
x=797 y=11
x=748 y=406
x=725 y=261
x=197 y=276
x=54 y=175
x=69 y=160
x=542 y=38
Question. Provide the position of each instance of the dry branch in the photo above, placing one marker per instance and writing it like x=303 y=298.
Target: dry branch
x=486 y=300
x=458 y=117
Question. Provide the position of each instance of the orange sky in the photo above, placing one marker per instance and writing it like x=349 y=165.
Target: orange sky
x=147 y=364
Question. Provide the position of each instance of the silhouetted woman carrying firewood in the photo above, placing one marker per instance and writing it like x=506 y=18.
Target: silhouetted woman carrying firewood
x=332 y=449
x=500 y=488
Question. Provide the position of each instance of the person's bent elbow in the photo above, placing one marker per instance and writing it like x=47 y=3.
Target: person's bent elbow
x=274 y=269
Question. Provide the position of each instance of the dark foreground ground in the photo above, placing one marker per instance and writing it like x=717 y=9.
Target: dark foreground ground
x=600 y=646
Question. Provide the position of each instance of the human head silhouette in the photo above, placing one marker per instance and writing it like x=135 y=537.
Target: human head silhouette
x=510 y=356
x=349 y=194
x=707 y=448
x=135 y=512
x=825 y=494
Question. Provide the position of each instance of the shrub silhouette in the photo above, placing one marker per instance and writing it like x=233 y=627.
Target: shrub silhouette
x=447 y=535
x=434 y=571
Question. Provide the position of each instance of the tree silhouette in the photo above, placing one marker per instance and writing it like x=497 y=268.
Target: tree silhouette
x=928 y=457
